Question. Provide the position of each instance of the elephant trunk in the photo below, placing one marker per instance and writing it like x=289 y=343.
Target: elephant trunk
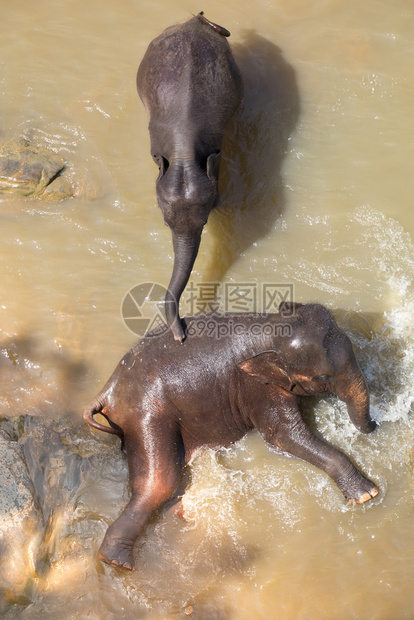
x=185 y=253
x=353 y=390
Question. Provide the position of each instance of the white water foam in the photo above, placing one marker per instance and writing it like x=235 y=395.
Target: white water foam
x=388 y=354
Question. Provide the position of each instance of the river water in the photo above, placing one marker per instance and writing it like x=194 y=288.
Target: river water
x=316 y=201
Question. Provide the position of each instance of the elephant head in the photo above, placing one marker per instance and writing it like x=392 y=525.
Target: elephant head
x=312 y=365
x=186 y=192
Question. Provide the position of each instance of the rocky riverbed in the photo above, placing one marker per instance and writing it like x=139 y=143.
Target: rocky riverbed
x=51 y=507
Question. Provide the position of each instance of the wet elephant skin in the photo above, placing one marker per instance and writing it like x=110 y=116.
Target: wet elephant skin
x=165 y=401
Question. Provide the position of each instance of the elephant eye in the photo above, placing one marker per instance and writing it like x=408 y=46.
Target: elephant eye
x=322 y=378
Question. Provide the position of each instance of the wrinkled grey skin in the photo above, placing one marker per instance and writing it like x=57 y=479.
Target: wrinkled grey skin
x=166 y=402
x=190 y=85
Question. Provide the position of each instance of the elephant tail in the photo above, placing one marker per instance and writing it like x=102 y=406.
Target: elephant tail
x=216 y=27
x=98 y=406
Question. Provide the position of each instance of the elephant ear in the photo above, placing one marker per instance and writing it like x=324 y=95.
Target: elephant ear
x=162 y=163
x=267 y=368
x=213 y=165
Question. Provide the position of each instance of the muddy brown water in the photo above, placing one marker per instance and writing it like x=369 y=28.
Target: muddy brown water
x=316 y=202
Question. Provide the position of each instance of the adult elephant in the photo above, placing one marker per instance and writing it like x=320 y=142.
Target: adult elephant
x=236 y=373
x=191 y=86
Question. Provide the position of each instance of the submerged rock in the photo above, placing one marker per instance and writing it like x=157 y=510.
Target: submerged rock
x=30 y=169
x=52 y=514
x=20 y=523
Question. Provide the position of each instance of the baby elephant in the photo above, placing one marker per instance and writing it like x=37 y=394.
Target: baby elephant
x=191 y=86
x=237 y=372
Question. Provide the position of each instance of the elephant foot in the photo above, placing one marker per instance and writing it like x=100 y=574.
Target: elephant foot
x=360 y=491
x=117 y=554
x=367 y=495
x=368 y=426
x=181 y=512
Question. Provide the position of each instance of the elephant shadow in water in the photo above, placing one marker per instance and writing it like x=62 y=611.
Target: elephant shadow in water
x=254 y=146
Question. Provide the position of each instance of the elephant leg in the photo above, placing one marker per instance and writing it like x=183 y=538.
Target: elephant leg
x=155 y=463
x=283 y=426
